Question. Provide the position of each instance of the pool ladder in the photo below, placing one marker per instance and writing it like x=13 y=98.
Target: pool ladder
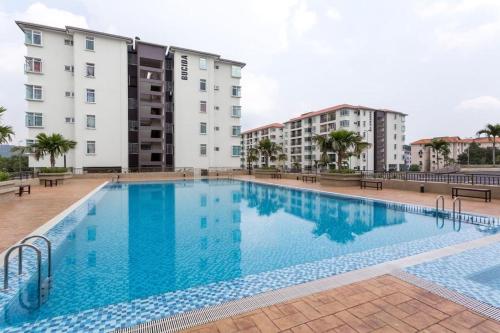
x=454 y=212
x=41 y=289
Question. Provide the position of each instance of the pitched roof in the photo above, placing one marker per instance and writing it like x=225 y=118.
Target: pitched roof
x=338 y=107
x=273 y=125
x=453 y=139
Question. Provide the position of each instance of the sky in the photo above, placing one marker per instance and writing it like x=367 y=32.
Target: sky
x=437 y=61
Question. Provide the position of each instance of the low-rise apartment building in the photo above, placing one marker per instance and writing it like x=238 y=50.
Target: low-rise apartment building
x=252 y=137
x=425 y=157
x=383 y=129
x=130 y=104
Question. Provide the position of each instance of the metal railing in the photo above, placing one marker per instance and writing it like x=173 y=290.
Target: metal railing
x=449 y=178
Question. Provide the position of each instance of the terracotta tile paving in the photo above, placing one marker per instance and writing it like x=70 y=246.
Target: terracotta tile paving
x=387 y=305
x=19 y=216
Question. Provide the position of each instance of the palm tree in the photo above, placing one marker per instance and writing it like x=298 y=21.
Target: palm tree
x=344 y=142
x=252 y=156
x=53 y=145
x=281 y=158
x=324 y=145
x=438 y=145
x=6 y=132
x=491 y=131
x=268 y=149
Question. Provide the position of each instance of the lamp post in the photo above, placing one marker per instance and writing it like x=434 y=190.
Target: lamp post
x=19 y=143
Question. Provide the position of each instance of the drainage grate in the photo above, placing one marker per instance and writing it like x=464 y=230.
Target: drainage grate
x=470 y=303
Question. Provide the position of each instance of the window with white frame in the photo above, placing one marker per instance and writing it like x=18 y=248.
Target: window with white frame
x=236 y=131
x=34 y=93
x=236 y=150
x=203 y=149
x=69 y=120
x=68 y=42
x=90 y=147
x=33 y=37
x=34 y=119
x=203 y=106
x=236 y=91
x=203 y=85
x=33 y=65
x=236 y=71
x=344 y=112
x=69 y=94
x=89 y=43
x=203 y=63
x=203 y=128
x=91 y=121
x=69 y=68
x=90 y=96
x=89 y=69
x=344 y=123
x=236 y=111
x=30 y=142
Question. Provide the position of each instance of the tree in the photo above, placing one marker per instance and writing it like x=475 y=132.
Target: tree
x=269 y=150
x=439 y=146
x=414 y=168
x=492 y=132
x=344 y=142
x=252 y=156
x=281 y=158
x=6 y=132
x=324 y=145
x=53 y=145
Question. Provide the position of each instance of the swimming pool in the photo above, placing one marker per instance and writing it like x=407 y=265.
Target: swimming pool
x=137 y=252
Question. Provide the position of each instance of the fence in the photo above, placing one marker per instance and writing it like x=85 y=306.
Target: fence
x=449 y=178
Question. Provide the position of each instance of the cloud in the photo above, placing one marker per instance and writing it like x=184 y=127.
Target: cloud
x=333 y=14
x=482 y=103
x=303 y=18
x=40 y=13
x=260 y=98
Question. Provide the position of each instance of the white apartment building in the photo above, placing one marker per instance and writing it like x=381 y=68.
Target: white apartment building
x=252 y=137
x=427 y=158
x=383 y=129
x=131 y=105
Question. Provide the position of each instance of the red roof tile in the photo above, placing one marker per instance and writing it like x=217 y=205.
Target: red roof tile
x=335 y=108
x=273 y=125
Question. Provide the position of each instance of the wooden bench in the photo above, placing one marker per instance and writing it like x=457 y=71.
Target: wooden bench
x=23 y=189
x=369 y=183
x=276 y=175
x=458 y=192
x=306 y=178
x=52 y=182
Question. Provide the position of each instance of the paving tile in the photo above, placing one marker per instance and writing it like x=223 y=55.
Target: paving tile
x=396 y=298
x=386 y=329
x=394 y=322
x=244 y=323
x=466 y=319
x=389 y=308
x=364 y=310
x=356 y=323
x=449 y=307
x=290 y=321
x=226 y=326
x=307 y=310
x=420 y=320
x=325 y=324
x=263 y=323
x=427 y=309
x=273 y=312
x=302 y=329
x=331 y=308
x=488 y=326
x=436 y=329
x=345 y=329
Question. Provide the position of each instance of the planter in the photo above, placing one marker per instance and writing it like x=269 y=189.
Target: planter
x=340 y=179
x=7 y=188
x=53 y=176
x=264 y=173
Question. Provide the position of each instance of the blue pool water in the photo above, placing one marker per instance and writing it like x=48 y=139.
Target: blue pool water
x=135 y=241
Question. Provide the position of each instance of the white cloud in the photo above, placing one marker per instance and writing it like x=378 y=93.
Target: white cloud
x=40 y=13
x=260 y=98
x=333 y=14
x=303 y=18
x=482 y=103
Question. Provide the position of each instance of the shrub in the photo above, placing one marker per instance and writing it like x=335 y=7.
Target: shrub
x=4 y=176
x=414 y=167
x=53 y=170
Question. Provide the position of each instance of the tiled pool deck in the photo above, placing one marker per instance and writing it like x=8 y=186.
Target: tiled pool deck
x=73 y=186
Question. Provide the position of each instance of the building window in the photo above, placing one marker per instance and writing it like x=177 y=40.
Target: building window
x=90 y=70
x=89 y=43
x=33 y=37
x=69 y=68
x=216 y=128
x=236 y=151
x=69 y=94
x=34 y=93
x=236 y=131
x=68 y=42
x=236 y=71
x=203 y=63
x=395 y=127
x=90 y=147
x=344 y=123
x=236 y=91
x=203 y=85
x=203 y=128
x=33 y=65
x=395 y=146
x=203 y=149
x=30 y=142
x=34 y=119
x=90 y=96
x=236 y=111
x=69 y=120
x=203 y=106
x=91 y=121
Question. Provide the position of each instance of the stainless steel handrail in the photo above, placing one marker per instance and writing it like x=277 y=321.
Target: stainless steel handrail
x=49 y=253
x=459 y=206
x=437 y=203
x=39 y=267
